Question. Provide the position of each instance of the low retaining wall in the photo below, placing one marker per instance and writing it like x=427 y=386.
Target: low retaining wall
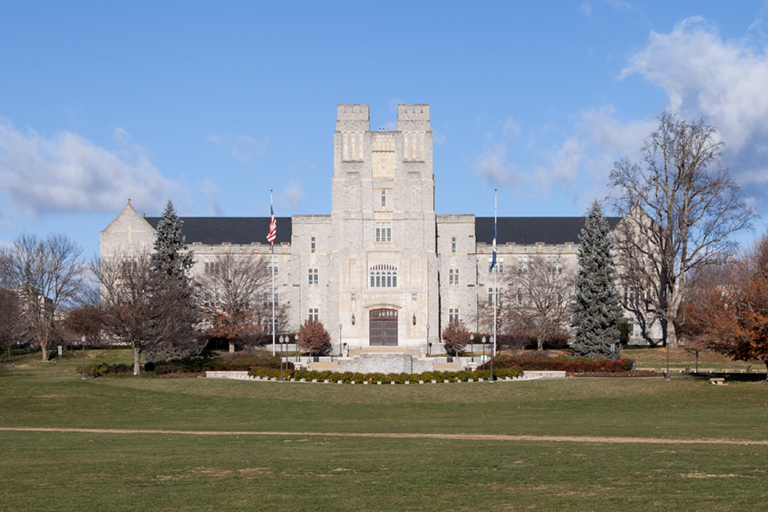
x=227 y=375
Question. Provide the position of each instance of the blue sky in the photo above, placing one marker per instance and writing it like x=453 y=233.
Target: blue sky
x=212 y=104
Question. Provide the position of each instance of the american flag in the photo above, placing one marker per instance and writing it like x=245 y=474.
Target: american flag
x=272 y=226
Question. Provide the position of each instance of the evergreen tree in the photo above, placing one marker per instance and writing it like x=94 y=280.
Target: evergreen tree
x=169 y=256
x=596 y=307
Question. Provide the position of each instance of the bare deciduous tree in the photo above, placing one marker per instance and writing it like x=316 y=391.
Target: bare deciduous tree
x=314 y=337
x=679 y=207
x=48 y=274
x=537 y=298
x=143 y=307
x=235 y=293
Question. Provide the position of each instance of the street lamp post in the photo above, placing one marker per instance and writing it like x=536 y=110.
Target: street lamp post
x=483 y=349
x=340 y=349
x=297 y=347
x=428 y=345
x=493 y=353
x=83 y=340
x=472 y=346
x=282 y=341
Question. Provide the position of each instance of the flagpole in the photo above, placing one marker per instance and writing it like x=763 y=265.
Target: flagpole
x=495 y=288
x=272 y=264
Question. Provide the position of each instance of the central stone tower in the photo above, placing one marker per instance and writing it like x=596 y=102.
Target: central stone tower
x=383 y=230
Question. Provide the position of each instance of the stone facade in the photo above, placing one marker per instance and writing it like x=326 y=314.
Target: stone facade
x=382 y=248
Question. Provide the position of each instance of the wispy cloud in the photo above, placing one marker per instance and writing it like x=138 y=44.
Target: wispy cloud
x=212 y=193
x=492 y=165
x=292 y=195
x=241 y=147
x=67 y=173
x=586 y=8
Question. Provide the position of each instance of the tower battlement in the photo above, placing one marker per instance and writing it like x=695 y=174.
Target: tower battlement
x=413 y=117
x=352 y=117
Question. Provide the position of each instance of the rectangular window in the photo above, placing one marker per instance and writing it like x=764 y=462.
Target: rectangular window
x=453 y=245
x=268 y=298
x=453 y=315
x=453 y=277
x=313 y=316
x=272 y=263
x=499 y=264
x=383 y=198
x=554 y=264
x=499 y=296
x=312 y=244
x=268 y=326
x=312 y=277
x=211 y=265
x=519 y=296
x=524 y=264
x=383 y=231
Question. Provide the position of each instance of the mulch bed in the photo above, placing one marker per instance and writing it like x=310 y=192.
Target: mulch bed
x=632 y=373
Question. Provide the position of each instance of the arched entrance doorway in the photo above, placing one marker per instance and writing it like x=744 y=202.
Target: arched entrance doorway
x=383 y=327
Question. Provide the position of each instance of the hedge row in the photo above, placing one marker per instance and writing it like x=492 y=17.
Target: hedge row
x=568 y=365
x=202 y=365
x=398 y=378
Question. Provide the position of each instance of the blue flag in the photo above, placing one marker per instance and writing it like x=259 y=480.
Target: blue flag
x=493 y=261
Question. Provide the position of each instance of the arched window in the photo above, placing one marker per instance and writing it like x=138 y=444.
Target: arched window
x=383 y=275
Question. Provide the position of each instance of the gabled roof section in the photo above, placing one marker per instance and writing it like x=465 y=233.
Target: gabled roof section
x=529 y=230
x=235 y=230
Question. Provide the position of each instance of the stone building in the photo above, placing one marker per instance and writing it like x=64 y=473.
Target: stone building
x=382 y=269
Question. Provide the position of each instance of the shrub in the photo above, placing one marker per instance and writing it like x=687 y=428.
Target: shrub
x=456 y=337
x=314 y=337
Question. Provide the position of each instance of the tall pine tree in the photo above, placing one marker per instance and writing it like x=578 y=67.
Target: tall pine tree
x=172 y=301
x=597 y=310
x=169 y=256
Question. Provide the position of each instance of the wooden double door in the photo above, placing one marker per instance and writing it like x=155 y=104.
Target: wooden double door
x=383 y=327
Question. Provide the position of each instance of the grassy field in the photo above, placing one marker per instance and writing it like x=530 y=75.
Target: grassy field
x=164 y=471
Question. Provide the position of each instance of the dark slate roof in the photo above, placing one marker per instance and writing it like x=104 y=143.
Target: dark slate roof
x=529 y=230
x=235 y=230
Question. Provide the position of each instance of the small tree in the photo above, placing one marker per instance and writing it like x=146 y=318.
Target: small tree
x=729 y=307
x=85 y=320
x=314 y=338
x=536 y=302
x=456 y=337
x=596 y=305
x=47 y=274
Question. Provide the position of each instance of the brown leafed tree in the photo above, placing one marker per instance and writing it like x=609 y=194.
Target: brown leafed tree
x=728 y=310
x=47 y=274
x=144 y=307
x=679 y=207
x=86 y=320
x=11 y=322
x=455 y=337
x=314 y=338
x=537 y=299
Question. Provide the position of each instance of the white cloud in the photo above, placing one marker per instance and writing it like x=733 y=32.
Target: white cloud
x=705 y=76
x=241 y=147
x=493 y=167
x=511 y=128
x=586 y=8
x=67 y=173
x=292 y=195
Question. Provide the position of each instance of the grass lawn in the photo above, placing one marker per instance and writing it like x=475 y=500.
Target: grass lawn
x=158 y=471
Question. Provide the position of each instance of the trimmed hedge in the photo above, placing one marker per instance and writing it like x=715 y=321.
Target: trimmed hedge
x=570 y=365
x=203 y=365
x=373 y=378
x=100 y=370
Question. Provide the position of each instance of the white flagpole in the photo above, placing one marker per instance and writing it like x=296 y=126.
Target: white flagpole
x=495 y=288
x=272 y=264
